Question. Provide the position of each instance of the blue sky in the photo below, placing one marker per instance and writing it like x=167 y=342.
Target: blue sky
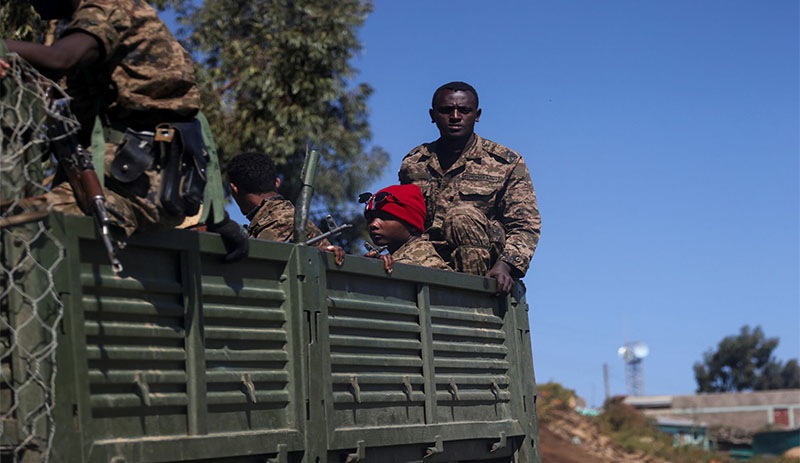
x=663 y=143
x=662 y=138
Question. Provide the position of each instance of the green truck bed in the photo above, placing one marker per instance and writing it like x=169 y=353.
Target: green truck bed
x=283 y=357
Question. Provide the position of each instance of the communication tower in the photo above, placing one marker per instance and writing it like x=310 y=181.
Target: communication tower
x=633 y=353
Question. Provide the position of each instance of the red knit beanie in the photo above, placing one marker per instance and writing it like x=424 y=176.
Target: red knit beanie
x=402 y=201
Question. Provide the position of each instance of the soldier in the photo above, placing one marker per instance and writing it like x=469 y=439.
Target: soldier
x=482 y=212
x=254 y=186
x=395 y=218
x=127 y=76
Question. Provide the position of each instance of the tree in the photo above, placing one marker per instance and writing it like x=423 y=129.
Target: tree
x=744 y=362
x=275 y=78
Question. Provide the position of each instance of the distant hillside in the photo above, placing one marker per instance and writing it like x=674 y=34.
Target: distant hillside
x=620 y=435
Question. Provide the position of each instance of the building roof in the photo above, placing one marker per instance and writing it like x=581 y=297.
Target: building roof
x=717 y=399
x=650 y=401
x=738 y=399
x=671 y=421
x=747 y=412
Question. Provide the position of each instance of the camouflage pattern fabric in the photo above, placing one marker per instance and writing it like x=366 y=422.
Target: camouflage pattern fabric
x=493 y=181
x=131 y=209
x=480 y=240
x=419 y=251
x=273 y=220
x=144 y=77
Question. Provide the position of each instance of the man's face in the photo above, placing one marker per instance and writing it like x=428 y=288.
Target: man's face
x=455 y=114
x=386 y=230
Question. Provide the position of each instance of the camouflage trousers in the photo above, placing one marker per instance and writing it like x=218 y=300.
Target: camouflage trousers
x=132 y=207
x=472 y=242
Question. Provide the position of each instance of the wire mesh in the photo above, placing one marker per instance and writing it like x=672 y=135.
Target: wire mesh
x=30 y=306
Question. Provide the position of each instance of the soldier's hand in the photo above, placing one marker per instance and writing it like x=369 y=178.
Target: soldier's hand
x=388 y=260
x=338 y=253
x=3 y=66
x=236 y=243
x=501 y=272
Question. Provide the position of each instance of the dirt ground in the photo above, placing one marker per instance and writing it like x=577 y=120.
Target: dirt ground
x=568 y=437
x=557 y=450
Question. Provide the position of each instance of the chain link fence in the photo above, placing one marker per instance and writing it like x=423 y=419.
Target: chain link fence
x=30 y=306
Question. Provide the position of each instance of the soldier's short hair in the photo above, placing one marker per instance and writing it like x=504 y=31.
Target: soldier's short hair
x=456 y=86
x=252 y=172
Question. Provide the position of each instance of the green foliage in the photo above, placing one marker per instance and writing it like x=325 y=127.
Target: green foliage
x=744 y=362
x=18 y=20
x=636 y=433
x=553 y=396
x=275 y=76
x=619 y=416
x=162 y=4
x=772 y=459
x=689 y=454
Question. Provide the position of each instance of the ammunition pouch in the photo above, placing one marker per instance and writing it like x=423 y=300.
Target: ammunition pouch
x=133 y=158
x=183 y=160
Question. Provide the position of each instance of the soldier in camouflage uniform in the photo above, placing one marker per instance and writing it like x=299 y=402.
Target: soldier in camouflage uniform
x=395 y=218
x=254 y=184
x=125 y=71
x=482 y=212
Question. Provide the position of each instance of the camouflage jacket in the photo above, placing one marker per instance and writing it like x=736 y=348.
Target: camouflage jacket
x=488 y=176
x=144 y=76
x=418 y=251
x=273 y=220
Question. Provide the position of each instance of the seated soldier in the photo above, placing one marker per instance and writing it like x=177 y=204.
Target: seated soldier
x=395 y=218
x=254 y=186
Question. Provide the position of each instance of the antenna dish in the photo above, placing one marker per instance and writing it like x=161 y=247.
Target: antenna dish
x=640 y=350
x=625 y=352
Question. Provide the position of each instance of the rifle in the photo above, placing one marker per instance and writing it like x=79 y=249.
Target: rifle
x=333 y=230
x=77 y=165
x=309 y=174
x=378 y=250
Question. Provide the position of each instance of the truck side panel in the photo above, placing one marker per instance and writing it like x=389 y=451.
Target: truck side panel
x=283 y=357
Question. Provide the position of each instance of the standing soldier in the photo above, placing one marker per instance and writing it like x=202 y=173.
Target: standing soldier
x=482 y=212
x=134 y=93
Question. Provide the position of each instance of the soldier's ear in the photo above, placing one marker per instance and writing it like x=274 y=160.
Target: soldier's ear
x=478 y=115
x=277 y=183
x=433 y=119
x=234 y=189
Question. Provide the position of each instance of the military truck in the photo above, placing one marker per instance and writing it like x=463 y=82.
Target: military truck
x=283 y=357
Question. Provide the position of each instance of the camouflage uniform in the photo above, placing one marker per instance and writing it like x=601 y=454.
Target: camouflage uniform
x=483 y=208
x=273 y=220
x=144 y=77
x=419 y=251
